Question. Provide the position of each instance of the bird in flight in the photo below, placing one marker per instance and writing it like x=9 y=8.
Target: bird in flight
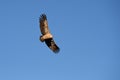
x=46 y=36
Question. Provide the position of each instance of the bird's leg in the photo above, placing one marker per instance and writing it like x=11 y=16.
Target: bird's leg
x=46 y=36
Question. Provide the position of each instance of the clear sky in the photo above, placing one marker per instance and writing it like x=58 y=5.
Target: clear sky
x=87 y=32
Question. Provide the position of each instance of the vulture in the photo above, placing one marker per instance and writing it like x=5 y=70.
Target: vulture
x=46 y=36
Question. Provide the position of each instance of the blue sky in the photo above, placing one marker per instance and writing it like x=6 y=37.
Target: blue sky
x=87 y=32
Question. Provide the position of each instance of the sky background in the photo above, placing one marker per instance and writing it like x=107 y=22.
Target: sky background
x=87 y=32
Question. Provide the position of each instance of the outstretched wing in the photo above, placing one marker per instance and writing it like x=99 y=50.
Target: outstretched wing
x=52 y=45
x=46 y=35
x=43 y=24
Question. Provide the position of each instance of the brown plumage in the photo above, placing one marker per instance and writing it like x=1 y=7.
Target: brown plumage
x=46 y=35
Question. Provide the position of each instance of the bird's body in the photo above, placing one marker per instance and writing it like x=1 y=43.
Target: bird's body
x=46 y=35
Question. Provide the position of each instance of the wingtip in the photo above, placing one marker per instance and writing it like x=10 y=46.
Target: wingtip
x=43 y=17
x=57 y=51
